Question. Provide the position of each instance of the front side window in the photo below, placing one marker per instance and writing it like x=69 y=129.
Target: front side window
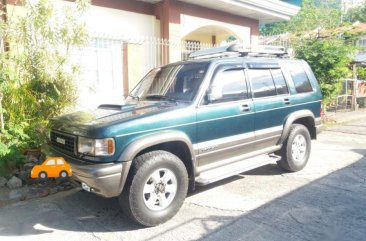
x=174 y=82
x=231 y=84
x=300 y=78
x=262 y=82
x=50 y=163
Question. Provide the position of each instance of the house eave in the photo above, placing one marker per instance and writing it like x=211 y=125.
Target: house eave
x=265 y=11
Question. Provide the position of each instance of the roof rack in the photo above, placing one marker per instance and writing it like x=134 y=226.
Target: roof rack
x=241 y=50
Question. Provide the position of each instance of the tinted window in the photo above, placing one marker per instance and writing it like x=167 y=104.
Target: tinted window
x=300 y=78
x=262 y=82
x=280 y=82
x=232 y=84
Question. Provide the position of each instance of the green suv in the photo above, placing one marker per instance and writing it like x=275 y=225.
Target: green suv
x=223 y=112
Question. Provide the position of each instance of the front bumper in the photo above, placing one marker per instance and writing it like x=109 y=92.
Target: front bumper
x=104 y=179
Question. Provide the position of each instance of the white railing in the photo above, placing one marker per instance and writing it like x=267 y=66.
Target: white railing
x=349 y=94
x=155 y=49
x=157 y=52
x=277 y=40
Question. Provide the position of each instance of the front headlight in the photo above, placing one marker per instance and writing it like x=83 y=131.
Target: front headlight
x=96 y=147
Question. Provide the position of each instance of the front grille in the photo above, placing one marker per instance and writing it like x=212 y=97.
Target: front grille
x=64 y=142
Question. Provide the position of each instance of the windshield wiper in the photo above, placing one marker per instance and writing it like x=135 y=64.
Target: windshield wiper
x=163 y=97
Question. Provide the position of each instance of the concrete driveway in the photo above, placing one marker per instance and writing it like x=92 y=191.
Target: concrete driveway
x=325 y=201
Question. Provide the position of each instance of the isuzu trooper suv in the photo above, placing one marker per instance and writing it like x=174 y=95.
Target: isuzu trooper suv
x=223 y=112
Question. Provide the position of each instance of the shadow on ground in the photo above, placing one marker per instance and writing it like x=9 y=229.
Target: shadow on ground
x=330 y=208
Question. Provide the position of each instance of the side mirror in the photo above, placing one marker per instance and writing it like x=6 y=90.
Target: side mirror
x=214 y=93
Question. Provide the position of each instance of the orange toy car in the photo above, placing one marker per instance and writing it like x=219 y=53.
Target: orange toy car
x=52 y=167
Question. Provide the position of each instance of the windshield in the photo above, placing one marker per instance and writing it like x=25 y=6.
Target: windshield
x=174 y=82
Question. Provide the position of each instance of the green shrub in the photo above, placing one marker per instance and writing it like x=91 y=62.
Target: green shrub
x=313 y=14
x=329 y=59
x=361 y=73
x=12 y=140
x=36 y=76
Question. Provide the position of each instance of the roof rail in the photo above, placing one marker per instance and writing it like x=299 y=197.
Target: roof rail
x=241 y=50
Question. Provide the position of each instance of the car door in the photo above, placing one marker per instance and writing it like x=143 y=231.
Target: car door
x=225 y=125
x=60 y=166
x=271 y=103
x=51 y=168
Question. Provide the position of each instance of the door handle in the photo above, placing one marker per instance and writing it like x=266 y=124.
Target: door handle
x=244 y=108
x=287 y=101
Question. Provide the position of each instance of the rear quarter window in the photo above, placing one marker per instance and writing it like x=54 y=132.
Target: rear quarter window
x=300 y=78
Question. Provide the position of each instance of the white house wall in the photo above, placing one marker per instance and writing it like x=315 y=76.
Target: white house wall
x=101 y=62
x=110 y=22
x=190 y=23
x=114 y=21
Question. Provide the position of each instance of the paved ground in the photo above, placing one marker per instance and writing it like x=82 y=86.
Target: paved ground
x=325 y=201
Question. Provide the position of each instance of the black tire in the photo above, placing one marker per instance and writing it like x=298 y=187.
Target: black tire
x=42 y=175
x=288 y=162
x=133 y=201
x=63 y=174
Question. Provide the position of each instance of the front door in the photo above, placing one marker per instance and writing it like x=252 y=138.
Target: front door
x=225 y=121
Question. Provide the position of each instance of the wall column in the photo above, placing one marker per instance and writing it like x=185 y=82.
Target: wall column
x=125 y=69
x=169 y=15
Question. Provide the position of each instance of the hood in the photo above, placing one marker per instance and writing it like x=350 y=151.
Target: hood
x=80 y=122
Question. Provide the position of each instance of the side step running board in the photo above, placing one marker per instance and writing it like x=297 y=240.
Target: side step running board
x=223 y=172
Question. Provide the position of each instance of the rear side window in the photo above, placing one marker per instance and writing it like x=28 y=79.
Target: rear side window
x=280 y=82
x=60 y=162
x=262 y=82
x=300 y=78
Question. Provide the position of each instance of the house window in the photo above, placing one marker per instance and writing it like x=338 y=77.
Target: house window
x=190 y=46
x=193 y=45
x=362 y=42
x=100 y=72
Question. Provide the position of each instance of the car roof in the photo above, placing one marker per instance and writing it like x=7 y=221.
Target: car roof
x=244 y=59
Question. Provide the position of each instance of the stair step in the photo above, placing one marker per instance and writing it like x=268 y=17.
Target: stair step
x=223 y=172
